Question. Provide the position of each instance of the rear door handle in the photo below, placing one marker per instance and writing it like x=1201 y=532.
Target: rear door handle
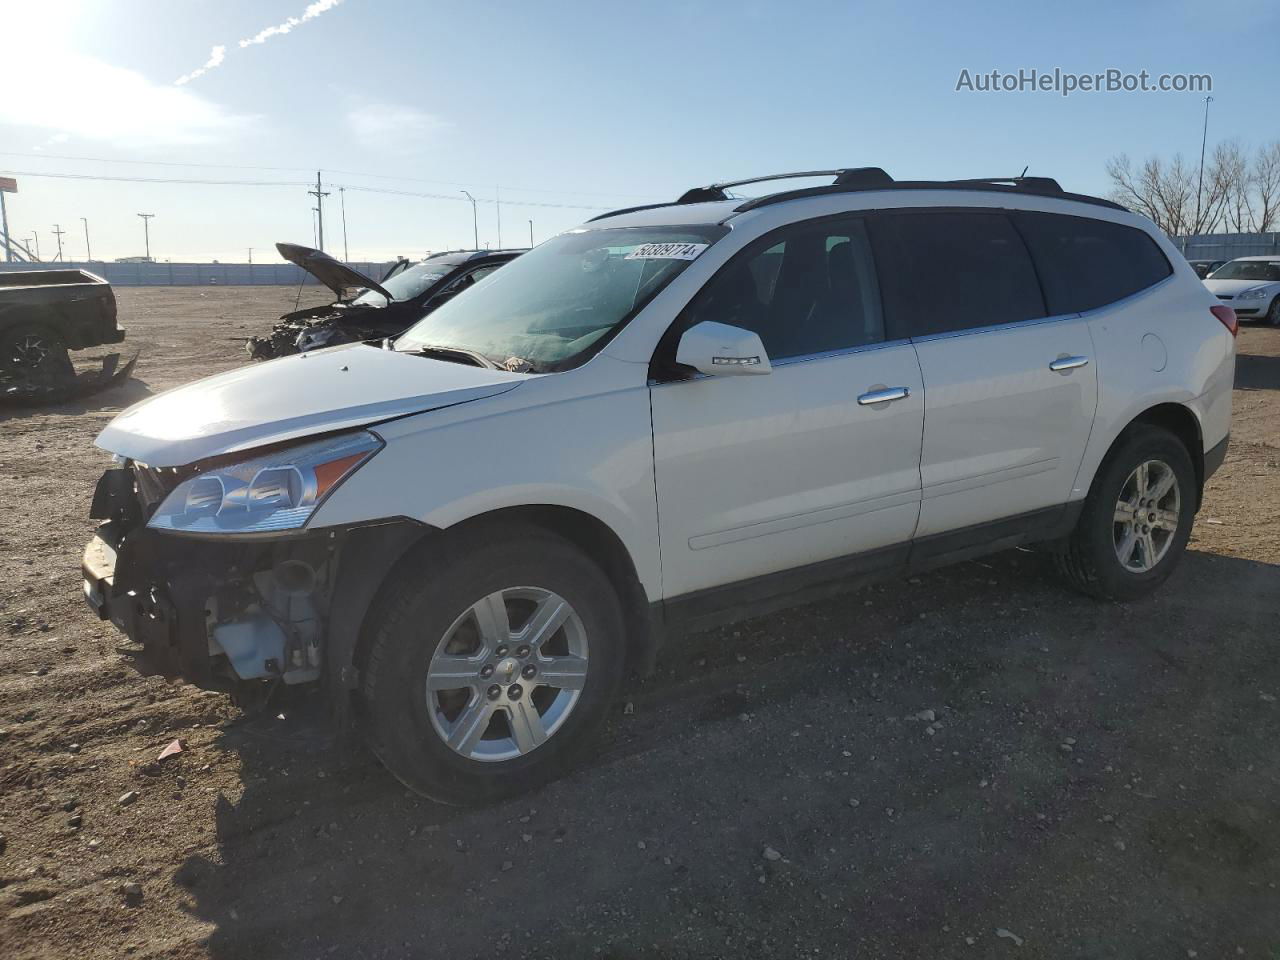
x=1068 y=363
x=884 y=395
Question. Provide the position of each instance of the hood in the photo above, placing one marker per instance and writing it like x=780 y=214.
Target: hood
x=334 y=274
x=1235 y=287
x=341 y=388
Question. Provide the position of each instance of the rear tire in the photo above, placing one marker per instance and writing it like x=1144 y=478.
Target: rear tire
x=36 y=351
x=1122 y=547
x=1273 y=315
x=435 y=673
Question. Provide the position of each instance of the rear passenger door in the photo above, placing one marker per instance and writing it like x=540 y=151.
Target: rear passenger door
x=1010 y=391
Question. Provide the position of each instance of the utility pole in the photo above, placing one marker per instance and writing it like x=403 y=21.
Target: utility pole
x=146 y=231
x=530 y=234
x=342 y=200
x=251 y=255
x=497 y=204
x=35 y=239
x=88 y=251
x=319 y=193
x=1204 y=137
x=475 y=224
x=58 y=232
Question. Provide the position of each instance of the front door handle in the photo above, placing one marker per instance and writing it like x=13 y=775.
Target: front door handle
x=1068 y=363
x=883 y=395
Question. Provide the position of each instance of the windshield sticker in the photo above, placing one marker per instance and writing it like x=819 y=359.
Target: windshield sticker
x=666 y=251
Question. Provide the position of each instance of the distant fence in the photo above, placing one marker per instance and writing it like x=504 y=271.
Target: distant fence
x=195 y=274
x=1228 y=246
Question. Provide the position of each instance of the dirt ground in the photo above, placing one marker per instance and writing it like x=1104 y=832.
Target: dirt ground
x=1100 y=780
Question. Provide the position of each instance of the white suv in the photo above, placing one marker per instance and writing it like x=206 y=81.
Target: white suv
x=668 y=417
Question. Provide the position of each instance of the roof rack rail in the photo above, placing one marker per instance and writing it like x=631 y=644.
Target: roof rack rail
x=853 y=179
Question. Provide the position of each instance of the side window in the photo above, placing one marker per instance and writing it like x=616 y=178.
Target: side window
x=947 y=271
x=806 y=289
x=1087 y=263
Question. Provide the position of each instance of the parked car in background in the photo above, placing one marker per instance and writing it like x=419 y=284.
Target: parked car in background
x=1251 y=285
x=375 y=308
x=1205 y=267
x=670 y=417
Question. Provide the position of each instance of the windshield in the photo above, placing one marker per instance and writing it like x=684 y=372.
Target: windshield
x=408 y=283
x=549 y=308
x=1247 y=270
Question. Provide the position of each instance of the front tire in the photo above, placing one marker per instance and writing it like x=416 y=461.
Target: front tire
x=1273 y=315
x=1136 y=520
x=495 y=657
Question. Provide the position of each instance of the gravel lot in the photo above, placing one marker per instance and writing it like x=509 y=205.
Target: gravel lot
x=1093 y=781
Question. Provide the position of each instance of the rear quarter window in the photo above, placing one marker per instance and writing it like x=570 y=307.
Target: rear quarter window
x=1085 y=264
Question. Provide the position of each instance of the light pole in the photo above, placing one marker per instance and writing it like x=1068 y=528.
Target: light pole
x=251 y=255
x=88 y=251
x=35 y=239
x=1204 y=137
x=475 y=223
x=530 y=234
x=146 y=231
x=342 y=200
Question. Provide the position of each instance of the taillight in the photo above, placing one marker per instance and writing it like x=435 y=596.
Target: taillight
x=1227 y=317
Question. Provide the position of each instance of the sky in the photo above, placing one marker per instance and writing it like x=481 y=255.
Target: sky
x=561 y=109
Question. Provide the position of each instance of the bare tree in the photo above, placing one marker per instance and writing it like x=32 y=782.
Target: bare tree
x=1266 y=187
x=1231 y=167
x=1236 y=194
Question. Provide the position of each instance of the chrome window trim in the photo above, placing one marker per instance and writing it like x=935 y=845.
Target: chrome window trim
x=843 y=352
x=993 y=327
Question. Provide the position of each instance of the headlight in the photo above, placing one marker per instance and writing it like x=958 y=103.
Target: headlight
x=272 y=492
x=1255 y=294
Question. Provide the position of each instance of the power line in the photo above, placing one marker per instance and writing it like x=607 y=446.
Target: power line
x=103 y=176
x=296 y=183
x=348 y=173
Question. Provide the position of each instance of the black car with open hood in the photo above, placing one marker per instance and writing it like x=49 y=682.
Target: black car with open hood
x=368 y=309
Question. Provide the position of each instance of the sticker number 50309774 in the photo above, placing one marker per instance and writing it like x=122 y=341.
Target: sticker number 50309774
x=666 y=251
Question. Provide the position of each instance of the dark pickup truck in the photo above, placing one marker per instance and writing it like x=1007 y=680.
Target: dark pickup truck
x=45 y=313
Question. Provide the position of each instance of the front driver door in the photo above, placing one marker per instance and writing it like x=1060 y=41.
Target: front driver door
x=818 y=459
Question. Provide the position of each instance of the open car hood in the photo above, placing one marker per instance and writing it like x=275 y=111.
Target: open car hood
x=334 y=274
x=309 y=393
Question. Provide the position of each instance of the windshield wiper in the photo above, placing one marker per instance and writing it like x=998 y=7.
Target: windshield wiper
x=454 y=355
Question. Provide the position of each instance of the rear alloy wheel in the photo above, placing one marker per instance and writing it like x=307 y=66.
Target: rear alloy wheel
x=1137 y=518
x=34 y=351
x=495 y=656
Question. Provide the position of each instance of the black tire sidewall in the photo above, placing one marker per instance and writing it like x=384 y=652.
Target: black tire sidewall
x=1273 y=315
x=1144 y=443
x=416 y=611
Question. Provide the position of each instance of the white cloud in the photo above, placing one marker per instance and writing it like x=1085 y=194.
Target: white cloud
x=216 y=56
x=313 y=10
x=391 y=126
x=89 y=99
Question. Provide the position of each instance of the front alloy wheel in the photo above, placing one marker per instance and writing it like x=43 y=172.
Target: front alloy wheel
x=495 y=654
x=507 y=673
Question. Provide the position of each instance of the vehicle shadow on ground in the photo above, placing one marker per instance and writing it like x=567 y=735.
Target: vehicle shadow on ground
x=1075 y=752
x=1257 y=372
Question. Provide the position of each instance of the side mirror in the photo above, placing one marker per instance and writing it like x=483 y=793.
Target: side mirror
x=719 y=350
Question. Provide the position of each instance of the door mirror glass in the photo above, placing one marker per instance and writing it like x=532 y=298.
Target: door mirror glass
x=719 y=350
